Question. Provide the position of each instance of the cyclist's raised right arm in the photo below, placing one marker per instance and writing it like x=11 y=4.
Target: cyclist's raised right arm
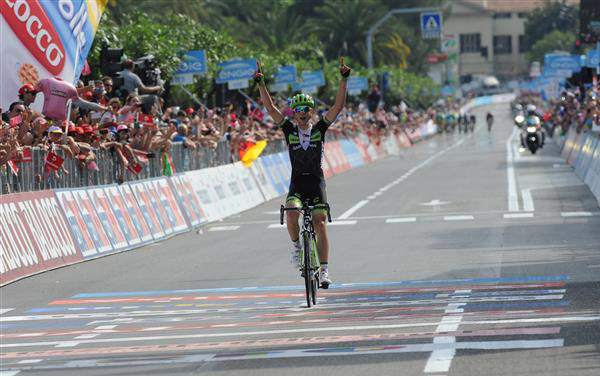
x=265 y=97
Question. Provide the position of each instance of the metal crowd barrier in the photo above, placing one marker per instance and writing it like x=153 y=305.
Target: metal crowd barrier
x=34 y=176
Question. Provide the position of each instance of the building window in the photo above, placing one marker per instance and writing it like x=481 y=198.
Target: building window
x=502 y=44
x=522 y=43
x=502 y=15
x=470 y=43
x=522 y=14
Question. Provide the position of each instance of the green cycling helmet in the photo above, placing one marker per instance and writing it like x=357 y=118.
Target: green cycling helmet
x=302 y=100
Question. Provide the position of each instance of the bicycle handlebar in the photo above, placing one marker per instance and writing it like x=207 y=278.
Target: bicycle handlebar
x=302 y=209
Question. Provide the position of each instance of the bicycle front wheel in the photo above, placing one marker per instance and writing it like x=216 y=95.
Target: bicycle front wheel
x=307 y=272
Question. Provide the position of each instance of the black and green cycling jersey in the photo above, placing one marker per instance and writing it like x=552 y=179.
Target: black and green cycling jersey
x=306 y=162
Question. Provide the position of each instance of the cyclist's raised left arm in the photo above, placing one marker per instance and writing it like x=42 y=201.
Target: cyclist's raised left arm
x=274 y=112
x=340 y=98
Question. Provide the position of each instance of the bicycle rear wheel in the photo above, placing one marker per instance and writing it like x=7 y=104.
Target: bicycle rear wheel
x=307 y=268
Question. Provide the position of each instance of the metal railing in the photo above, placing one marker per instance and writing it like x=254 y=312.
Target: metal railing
x=35 y=176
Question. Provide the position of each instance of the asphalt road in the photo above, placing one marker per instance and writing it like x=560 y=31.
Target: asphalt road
x=465 y=257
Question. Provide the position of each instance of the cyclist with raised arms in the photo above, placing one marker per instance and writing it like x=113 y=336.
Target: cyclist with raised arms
x=305 y=144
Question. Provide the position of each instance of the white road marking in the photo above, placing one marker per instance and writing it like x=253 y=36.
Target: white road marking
x=577 y=214
x=401 y=220
x=513 y=196
x=593 y=266
x=302 y=330
x=4 y=310
x=87 y=336
x=271 y=212
x=353 y=209
x=9 y=373
x=458 y=218
x=342 y=223
x=527 y=200
x=105 y=327
x=440 y=360
x=434 y=203
x=371 y=197
x=30 y=361
x=518 y=215
x=223 y=228
x=276 y=225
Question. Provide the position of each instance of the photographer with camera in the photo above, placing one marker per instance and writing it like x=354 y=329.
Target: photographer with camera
x=133 y=84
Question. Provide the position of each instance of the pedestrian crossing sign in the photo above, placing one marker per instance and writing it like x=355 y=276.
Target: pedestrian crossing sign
x=431 y=25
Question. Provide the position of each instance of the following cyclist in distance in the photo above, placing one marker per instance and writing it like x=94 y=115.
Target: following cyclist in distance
x=305 y=139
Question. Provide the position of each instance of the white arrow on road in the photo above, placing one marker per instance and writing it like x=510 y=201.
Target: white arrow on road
x=434 y=203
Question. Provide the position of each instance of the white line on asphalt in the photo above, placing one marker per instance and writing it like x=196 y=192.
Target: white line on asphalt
x=4 y=310
x=513 y=196
x=342 y=223
x=401 y=220
x=9 y=373
x=223 y=228
x=351 y=211
x=458 y=218
x=275 y=225
x=577 y=214
x=441 y=359
x=527 y=200
x=518 y=215
x=29 y=361
x=87 y=336
x=593 y=266
x=301 y=330
x=362 y=203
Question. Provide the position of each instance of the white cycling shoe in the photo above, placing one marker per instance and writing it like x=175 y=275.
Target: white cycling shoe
x=324 y=279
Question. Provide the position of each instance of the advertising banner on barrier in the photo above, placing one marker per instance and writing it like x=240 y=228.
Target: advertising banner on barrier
x=34 y=235
x=336 y=158
x=262 y=179
x=169 y=203
x=352 y=153
x=109 y=221
x=251 y=194
x=162 y=215
x=403 y=139
x=148 y=209
x=209 y=191
x=273 y=173
x=188 y=200
x=92 y=221
x=131 y=229
x=88 y=239
x=135 y=213
x=361 y=144
x=42 y=39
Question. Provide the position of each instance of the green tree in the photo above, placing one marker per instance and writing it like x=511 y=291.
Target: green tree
x=554 y=41
x=553 y=16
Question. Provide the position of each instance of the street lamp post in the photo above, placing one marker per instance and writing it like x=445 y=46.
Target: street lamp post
x=382 y=20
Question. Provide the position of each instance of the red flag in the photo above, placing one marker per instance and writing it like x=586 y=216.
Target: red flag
x=14 y=167
x=27 y=155
x=54 y=161
x=86 y=71
x=16 y=121
x=134 y=168
x=146 y=119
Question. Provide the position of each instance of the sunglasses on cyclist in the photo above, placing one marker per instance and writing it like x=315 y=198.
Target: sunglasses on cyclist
x=302 y=109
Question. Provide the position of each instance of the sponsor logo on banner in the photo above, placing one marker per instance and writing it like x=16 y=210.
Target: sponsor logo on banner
x=88 y=240
x=92 y=221
x=170 y=204
x=135 y=213
x=188 y=199
x=120 y=209
x=362 y=148
x=34 y=235
x=108 y=219
x=42 y=39
x=162 y=214
x=148 y=209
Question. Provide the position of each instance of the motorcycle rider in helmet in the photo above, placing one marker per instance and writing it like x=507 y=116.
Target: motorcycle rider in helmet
x=533 y=120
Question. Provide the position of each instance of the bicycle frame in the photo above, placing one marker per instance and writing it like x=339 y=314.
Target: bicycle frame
x=310 y=258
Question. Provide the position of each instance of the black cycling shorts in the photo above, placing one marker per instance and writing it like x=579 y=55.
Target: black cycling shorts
x=311 y=189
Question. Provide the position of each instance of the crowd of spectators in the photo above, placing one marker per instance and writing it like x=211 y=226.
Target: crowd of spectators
x=574 y=108
x=138 y=126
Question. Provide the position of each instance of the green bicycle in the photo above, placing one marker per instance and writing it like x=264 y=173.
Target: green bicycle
x=309 y=265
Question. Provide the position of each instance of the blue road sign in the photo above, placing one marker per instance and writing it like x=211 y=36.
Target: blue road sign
x=234 y=70
x=286 y=75
x=431 y=25
x=194 y=62
x=593 y=59
x=358 y=83
x=310 y=79
x=560 y=63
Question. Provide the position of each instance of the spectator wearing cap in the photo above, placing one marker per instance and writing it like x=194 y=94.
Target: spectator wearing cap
x=181 y=136
x=27 y=94
x=56 y=139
